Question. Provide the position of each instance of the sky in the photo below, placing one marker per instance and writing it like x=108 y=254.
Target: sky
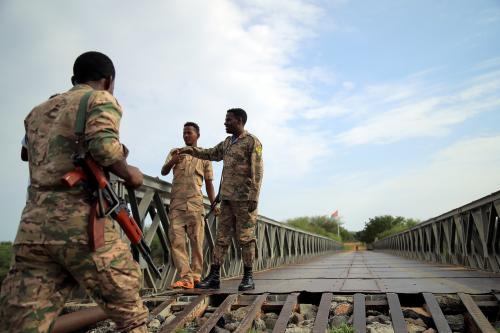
x=368 y=107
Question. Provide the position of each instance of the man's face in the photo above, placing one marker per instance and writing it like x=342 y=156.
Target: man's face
x=190 y=135
x=231 y=123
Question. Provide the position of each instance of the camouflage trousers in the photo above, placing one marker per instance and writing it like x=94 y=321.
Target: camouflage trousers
x=42 y=277
x=235 y=219
x=192 y=224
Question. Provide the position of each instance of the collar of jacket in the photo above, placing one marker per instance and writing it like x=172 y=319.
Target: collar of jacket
x=81 y=86
x=242 y=135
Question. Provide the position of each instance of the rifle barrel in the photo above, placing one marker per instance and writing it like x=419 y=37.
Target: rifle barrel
x=148 y=259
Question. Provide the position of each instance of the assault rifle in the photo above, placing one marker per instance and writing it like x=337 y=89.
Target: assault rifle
x=213 y=205
x=107 y=204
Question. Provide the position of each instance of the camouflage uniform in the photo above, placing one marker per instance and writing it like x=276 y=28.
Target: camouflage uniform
x=51 y=251
x=186 y=214
x=241 y=180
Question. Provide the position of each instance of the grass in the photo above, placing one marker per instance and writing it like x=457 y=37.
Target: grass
x=344 y=328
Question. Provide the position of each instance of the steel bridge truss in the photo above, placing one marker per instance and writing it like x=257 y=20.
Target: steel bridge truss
x=277 y=243
x=468 y=236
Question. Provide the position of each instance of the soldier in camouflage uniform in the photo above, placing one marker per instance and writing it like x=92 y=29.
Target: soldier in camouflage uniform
x=186 y=208
x=51 y=253
x=241 y=179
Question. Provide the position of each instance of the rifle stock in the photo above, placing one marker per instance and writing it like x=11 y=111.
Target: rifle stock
x=108 y=204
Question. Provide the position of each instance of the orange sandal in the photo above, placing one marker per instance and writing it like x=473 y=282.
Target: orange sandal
x=185 y=284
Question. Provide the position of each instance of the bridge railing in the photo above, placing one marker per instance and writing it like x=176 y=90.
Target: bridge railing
x=277 y=244
x=468 y=236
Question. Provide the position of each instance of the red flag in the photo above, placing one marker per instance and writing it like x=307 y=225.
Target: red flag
x=335 y=214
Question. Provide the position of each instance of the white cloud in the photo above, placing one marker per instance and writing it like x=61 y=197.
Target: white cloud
x=454 y=176
x=192 y=60
x=176 y=62
x=412 y=110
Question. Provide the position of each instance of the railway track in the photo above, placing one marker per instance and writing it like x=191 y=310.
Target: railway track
x=182 y=311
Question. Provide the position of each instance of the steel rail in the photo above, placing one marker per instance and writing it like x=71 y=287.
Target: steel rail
x=468 y=236
x=189 y=310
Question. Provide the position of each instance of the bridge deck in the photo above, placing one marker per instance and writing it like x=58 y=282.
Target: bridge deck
x=370 y=272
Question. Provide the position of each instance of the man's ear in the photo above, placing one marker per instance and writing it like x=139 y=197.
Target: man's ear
x=107 y=83
x=73 y=81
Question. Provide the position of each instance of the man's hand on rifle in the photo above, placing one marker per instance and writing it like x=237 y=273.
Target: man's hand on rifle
x=130 y=174
x=136 y=178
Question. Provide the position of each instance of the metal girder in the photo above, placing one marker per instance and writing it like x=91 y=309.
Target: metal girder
x=277 y=243
x=468 y=236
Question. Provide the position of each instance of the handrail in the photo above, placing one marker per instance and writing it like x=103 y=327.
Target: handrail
x=277 y=243
x=468 y=235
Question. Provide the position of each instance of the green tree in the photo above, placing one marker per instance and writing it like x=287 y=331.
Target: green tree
x=383 y=226
x=407 y=224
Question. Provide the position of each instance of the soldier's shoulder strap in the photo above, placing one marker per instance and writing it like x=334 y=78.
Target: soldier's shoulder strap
x=81 y=119
x=255 y=139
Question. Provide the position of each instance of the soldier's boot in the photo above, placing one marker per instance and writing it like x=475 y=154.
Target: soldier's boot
x=247 y=281
x=212 y=281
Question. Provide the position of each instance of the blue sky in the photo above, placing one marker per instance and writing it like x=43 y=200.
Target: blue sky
x=386 y=107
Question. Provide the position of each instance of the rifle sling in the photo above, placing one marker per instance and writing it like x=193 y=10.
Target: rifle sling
x=95 y=224
x=81 y=121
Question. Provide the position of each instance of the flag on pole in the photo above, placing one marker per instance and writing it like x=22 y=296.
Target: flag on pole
x=335 y=214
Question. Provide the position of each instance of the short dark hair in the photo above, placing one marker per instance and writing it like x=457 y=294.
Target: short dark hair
x=195 y=125
x=239 y=113
x=92 y=66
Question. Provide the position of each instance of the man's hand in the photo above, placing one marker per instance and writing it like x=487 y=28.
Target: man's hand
x=177 y=157
x=252 y=205
x=130 y=174
x=216 y=210
x=135 y=177
x=186 y=150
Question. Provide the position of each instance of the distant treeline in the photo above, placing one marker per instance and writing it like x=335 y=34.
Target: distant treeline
x=322 y=225
x=382 y=226
x=376 y=228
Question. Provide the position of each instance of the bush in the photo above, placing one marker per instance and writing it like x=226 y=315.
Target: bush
x=5 y=256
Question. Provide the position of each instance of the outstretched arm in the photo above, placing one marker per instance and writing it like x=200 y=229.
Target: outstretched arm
x=212 y=154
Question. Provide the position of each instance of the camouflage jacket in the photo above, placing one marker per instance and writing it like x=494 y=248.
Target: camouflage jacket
x=53 y=213
x=243 y=166
x=186 y=185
